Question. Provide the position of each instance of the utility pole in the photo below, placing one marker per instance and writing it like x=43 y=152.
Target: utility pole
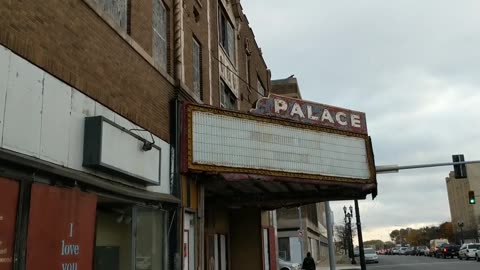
x=301 y=237
x=331 y=248
x=363 y=264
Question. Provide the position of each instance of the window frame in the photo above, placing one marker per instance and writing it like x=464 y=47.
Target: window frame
x=160 y=53
x=225 y=91
x=197 y=70
x=226 y=35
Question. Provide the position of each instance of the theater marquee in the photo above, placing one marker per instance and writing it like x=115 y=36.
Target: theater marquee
x=223 y=141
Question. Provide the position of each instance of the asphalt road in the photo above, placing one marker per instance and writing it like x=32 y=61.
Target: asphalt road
x=398 y=262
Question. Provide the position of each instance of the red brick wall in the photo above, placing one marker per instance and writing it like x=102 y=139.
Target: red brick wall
x=69 y=40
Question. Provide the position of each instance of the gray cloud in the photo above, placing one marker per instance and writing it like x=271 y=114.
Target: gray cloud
x=411 y=65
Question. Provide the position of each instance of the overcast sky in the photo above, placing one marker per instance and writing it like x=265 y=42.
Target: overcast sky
x=412 y=66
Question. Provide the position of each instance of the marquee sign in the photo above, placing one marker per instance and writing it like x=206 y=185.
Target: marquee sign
x=233 y=142
x=311 y=113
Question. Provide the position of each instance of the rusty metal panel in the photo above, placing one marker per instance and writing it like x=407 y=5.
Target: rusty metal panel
x=8 y=214
x=23 y=107
x=61 y=229
x=233 y=141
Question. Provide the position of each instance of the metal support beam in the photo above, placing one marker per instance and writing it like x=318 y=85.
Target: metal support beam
x=395 y=168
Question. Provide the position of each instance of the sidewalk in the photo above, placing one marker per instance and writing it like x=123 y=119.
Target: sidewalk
x=340 y=267
x=342 y=263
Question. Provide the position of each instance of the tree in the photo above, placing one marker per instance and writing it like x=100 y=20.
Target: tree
x=376 y=244
x=395 y=236
x=341 y=235
x=388 y=244
x=446 y=231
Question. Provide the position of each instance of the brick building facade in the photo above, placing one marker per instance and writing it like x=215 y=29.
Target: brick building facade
x=130 y=61
x=94 y=99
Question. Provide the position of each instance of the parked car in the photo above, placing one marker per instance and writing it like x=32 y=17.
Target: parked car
x=286 y=265
x=477 y=255
x=447 y=251
x=408 y=251
x=420 y=251
x=395 y=250
x=402 y=250
x=468 y=251
x=426 y=252
x=370 y=255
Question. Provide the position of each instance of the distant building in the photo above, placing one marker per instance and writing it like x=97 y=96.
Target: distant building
x=461 y=211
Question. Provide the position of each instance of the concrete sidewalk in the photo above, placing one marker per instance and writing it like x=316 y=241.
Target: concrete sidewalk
x=339 y=267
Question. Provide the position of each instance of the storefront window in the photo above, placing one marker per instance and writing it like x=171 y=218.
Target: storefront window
x=130 y=238
x=113 y=247
x=150 y=240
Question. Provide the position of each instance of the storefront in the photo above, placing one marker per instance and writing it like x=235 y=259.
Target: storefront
x=81 y=187
x=285 y=152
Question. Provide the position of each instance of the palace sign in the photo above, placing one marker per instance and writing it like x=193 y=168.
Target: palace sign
x=335 y=148
x=311 y=113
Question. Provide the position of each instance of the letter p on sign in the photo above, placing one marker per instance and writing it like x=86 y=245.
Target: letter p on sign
x=280 y=105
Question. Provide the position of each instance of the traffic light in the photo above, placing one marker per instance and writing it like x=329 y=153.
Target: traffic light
x=460 y=169
x=471 y=197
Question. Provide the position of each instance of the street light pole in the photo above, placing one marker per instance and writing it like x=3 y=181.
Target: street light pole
x=348 y=216
x=363 y=264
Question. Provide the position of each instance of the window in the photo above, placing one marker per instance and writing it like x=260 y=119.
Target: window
x=227 y=99
x=260 y=89
x=150 y=239
x=116 y=9
x=197 y=68
x=227 y=36
x=159 y=34
x=284 y=248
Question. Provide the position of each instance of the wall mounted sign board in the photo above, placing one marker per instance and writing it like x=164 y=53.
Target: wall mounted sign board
x=114 y=149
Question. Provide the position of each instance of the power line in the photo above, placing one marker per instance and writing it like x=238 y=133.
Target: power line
x=236 y=75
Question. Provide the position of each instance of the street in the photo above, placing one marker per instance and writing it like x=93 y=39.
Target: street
x=421 y=263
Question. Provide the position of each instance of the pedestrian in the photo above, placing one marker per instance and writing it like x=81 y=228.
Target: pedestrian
x=308 y=262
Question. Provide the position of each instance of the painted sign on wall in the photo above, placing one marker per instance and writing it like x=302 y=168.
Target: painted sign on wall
x=8 y=214
x=61 y=229
x=311 y=113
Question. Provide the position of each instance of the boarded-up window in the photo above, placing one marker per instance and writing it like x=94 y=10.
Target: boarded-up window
x=159 y=34
x=117 y=10
x=197 y=68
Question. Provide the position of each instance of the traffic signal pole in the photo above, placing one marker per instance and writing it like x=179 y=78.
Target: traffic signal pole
x=395 y=168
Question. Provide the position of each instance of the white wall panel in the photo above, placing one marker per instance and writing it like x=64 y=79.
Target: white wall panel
x=82 y=106
x=41 y=116
x=4 y=68
x=123 y=151
x=23 y=108
x=57 y=98
x=242 y=143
